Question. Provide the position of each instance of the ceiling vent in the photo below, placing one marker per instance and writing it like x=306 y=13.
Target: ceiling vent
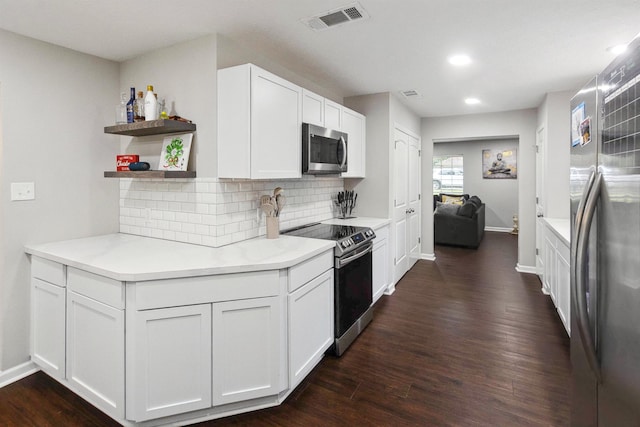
x=410 y=94
x=333 y=18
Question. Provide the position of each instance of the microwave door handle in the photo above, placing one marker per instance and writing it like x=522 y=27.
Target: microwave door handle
x=344 y=152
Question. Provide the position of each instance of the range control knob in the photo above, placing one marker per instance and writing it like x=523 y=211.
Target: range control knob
x=345 y=243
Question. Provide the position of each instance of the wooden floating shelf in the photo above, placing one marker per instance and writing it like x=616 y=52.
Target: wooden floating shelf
x=152 y=127
x=150 y=174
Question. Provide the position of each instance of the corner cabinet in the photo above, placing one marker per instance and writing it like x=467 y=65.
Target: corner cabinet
x=259 y=125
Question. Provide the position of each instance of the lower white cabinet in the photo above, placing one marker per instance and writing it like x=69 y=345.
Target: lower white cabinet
x=171 y=370
x=311 y=318
x=380 y=263
x=556 y=275
x=246 y=349
x=48 y=311
x=95 y=352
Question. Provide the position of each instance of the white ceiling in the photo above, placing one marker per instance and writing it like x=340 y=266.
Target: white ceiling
x=521 y=49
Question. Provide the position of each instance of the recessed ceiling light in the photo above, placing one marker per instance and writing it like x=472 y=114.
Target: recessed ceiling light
x=472 y=101
x=459 y=60
x=617 y=49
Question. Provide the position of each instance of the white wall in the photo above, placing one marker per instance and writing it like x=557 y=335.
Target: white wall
x=554 y=118
x=520 y=124
x=54 y=105
x=186 y=76
x=499 y=195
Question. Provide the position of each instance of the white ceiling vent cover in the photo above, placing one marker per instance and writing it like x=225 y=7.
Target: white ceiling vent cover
x=411 y=94
x=332 y=18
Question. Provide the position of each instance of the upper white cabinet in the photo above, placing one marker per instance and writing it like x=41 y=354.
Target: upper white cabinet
x=312 y=108
x=332 y=114
x=354 y=125
x=259 y=125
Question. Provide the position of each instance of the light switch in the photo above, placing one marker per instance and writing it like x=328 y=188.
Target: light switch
x=23 y=191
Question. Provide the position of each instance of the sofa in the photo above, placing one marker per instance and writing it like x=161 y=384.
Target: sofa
x=458 y=220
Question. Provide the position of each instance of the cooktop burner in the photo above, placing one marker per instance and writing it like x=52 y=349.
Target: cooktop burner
x=347 y=237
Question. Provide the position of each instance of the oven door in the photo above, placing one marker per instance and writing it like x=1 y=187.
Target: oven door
x=352 y=288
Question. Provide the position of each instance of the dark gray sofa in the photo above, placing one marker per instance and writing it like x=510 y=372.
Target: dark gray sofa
x=459 y=230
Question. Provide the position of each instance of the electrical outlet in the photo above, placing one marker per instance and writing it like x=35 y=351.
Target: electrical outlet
x=23 y=191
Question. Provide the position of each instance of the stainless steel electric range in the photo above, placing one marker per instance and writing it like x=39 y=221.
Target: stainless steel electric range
x=352 y=277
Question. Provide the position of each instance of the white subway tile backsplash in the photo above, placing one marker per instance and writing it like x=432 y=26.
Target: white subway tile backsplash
x=213 y=212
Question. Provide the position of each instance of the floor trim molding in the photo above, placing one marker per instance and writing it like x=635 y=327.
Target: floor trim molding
x=17 y=373
x=428 y=257
x=526 y=269
x=499 y=229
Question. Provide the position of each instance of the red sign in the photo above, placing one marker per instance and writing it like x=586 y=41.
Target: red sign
x=123 y=160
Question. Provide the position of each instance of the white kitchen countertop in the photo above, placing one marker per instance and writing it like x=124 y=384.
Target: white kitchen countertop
x=126 y=257
x=364 y=221
x=561 y=227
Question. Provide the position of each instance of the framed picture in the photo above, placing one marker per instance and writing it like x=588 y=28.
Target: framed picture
x=500 y=164
x=175 y=152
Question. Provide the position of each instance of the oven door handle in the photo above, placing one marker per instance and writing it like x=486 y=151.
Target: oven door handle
x=359 y=253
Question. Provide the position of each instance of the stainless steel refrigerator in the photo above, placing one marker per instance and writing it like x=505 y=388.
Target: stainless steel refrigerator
x=605 y=246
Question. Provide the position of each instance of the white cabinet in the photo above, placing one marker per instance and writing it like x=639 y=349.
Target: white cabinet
x=556 y=275
x=333 y=115
x=95 y=352
x=48 y=307
x=259 y=125
x=380 y=262
x=171 y=370
x=246 y=349
x=355 y=125
x=312 y=108
x=311 y=317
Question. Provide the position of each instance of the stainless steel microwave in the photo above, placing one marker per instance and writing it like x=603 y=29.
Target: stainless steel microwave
x=324 y=151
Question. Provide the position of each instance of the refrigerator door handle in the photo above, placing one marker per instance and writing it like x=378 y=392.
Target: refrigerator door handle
x=583 y=224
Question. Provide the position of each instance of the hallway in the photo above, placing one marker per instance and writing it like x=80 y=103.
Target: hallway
x=464 y=341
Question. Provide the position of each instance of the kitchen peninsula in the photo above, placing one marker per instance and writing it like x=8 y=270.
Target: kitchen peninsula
x=156 y=332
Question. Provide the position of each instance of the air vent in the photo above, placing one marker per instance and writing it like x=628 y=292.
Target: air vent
x=410 y=94
x=332 y=18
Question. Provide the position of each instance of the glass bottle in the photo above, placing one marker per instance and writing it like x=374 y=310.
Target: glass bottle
x=121 y=110
x=132 y=99
x=138 y=108
x=150 y=105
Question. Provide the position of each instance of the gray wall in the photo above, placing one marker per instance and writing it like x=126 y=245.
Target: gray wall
x=499 y=195
x=519 y=124
x=53 y=105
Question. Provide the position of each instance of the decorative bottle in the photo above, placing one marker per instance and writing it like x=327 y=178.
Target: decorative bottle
x=138 y=108
x=132 y=100
x=150 y=105
x=121 y=110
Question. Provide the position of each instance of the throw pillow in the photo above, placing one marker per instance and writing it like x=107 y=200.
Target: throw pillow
x=477 y=199
x=467 y=210
x=447 y=208
x=458 y=200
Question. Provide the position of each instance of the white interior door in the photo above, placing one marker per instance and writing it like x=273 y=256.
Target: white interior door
x=400 y=204
x=414 y=189
x=540 y=142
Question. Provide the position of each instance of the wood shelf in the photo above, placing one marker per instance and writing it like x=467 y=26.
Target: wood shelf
x=150 y=174
x=152 y=127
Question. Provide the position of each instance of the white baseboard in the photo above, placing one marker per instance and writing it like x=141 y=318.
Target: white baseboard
x=526 y=269
x=17 y=373
x=498 y=229
x=428 y=257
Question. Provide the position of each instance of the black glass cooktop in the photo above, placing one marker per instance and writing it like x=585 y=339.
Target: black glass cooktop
x=324 y=231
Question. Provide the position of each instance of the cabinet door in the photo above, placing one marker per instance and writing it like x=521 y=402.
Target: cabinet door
x=332 y=115
x=550 y=266
x=276 y=127
x=48 y=327
x=246 y=349
x=170 y=367
x=563 y=285
x=310 y=325
x=95 y=352
x=354 y=124
x=380 y=267
x=312 y=108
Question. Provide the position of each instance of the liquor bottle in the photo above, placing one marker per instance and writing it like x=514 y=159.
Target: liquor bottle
x=132 y=99
x=138 y=108
x=121 y=110
x=150 y=105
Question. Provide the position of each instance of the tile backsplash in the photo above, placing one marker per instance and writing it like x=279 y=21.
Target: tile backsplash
x=217 y=212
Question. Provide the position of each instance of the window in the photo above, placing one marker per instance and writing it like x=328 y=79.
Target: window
x=448 y=174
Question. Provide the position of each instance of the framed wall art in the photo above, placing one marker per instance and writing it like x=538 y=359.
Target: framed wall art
x=175 y=152
x=500 y=164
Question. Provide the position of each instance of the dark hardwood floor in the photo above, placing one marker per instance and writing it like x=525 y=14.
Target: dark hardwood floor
x=464 y=341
